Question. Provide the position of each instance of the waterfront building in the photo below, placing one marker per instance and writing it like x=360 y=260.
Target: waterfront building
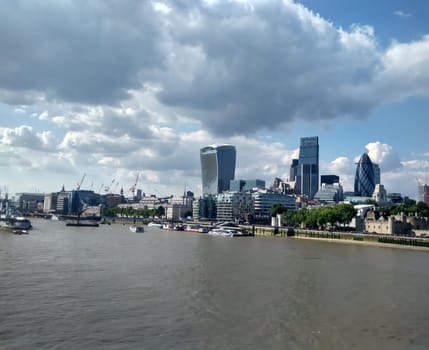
x=50 y=202
x=204 y=208
x=330 y=193
x=232 y=206
x=64 y=201
x=364 y=178
x=113 y=199
x=29 y=201
x=307 y=175
x=378 y=223
x=245 y=185
x=217 y=168
x=264 y=200
x=177 y=211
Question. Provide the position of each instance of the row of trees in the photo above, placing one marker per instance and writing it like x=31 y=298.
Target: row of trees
x=131 y=212
x=410 y=206
x=340 y=214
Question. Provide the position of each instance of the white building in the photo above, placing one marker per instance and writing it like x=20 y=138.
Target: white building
x=233 y=206
x=264 y=200
x=380 y=194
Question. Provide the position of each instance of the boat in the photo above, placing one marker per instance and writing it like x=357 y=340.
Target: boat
x=22 y=223
x=192 y=228
x=20 y=232
x=15 y=223
x=154 y=224
x=167 y=226
x=223 y=232
x=135 y=228
x=229 y=232
x=84 y=223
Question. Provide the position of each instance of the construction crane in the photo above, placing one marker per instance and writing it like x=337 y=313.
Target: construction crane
x=80 y=182
x=134 y=187
x=107 y=188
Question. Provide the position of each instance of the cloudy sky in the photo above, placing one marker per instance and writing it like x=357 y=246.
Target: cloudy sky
x=112 y=89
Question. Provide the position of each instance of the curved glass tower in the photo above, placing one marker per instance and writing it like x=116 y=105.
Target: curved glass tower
x=365 y=177
x=217 y=168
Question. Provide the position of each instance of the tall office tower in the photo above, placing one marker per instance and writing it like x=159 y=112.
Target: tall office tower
x=423 y=190
x=377 y=173
x=329 y=179
x=217 y=168
x=293 y=170
x=365 y=177
x=307 y=175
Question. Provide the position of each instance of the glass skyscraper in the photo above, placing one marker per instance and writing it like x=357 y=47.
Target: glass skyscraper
x=365 y=178
x=307 y=170
x=217 y=168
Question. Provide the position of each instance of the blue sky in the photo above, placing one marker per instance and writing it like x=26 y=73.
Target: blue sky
x=114 y=91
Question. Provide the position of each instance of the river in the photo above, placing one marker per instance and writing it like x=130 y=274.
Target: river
x=109 y=288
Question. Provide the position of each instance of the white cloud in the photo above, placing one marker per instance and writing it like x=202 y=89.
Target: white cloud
x=25 y=136
x=402 y=14
x=383 y=155
x=141 y=86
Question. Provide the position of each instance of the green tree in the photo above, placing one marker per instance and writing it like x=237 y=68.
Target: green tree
x=276 y=208
x=346 y=212
x=160 y=211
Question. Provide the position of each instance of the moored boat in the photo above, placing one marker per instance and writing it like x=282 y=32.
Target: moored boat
x=135 y=228
x=154 y=224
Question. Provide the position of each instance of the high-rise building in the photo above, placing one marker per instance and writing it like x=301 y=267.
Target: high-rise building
x=293 y=170
x=377 y=173
x=423 y=190
x=217 y=168
x=365 y=177
x=245 y=185
x=329 y=179
x=307 y=171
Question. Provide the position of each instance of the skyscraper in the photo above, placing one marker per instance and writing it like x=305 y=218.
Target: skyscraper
x=365 y=177
x=377 y=173
x=307 y=171
x=217 y=168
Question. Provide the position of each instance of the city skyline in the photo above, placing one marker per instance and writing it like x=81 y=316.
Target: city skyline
x=142 y=95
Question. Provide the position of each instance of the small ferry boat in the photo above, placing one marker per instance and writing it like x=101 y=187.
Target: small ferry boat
x=135 y=228
x=154 y=224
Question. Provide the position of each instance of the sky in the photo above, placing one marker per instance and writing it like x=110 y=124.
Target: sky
x=111 y=90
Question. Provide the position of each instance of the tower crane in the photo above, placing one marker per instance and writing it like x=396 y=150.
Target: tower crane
x=80 y=182
x=107 y=188
x=134 y=187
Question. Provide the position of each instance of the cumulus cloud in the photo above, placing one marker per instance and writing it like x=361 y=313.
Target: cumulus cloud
x=233 y=67
x=25 y=136
x=383 y=155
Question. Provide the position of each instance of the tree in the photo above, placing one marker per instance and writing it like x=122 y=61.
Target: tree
x=160 y=211
x=346 y=212
x=276 y=208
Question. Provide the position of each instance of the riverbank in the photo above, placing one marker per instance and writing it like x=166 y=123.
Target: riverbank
x=362 y=243
x=412 y=243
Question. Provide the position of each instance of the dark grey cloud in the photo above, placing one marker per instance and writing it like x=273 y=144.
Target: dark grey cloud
x=80 y=51
x=234 y=66
x=266 y=65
